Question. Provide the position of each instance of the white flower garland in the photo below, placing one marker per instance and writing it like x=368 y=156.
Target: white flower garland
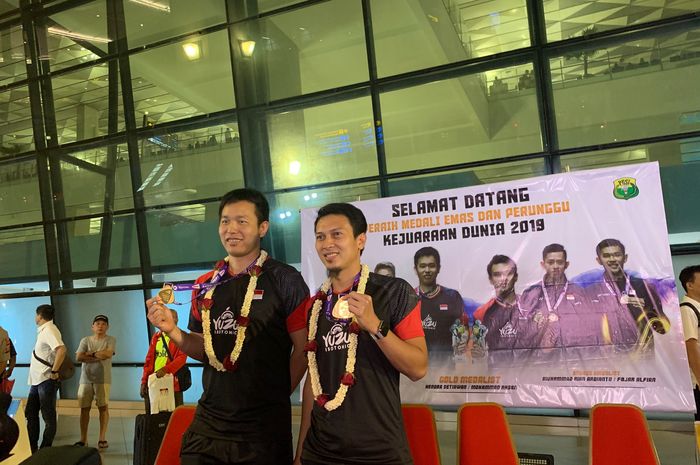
x=240 y=334
x=339 y=397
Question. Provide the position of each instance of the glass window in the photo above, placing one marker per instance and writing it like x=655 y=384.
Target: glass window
x=86 y=252
x=149 y=21
x=17 y=317
x=576 y=18
x=415 y=35
x=191 y=164
x=126 y=311
x=81 y=100
x=186 y=234
x=12 y=65
x=301 y=51
x=16 y=134
x=476 y=117
x=501 y=172
x=680 y=170
x=76 y=35
x=632 y=90
x=16 y=286
x=22 y=253
x=19 y=193
x=322 y=144
x=85 y=191
x=187 y=78
x=285 y=224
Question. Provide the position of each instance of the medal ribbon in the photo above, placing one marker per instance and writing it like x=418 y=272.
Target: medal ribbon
x=329 y=297
x=614 y=289
x=216 y=279
x=503 y=303
x=559 y=300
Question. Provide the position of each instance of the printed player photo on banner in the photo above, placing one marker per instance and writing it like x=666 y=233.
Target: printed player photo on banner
x=555 y=291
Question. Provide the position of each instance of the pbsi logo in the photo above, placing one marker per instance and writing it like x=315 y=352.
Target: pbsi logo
x=508 y=331
x=225 y=323
x=625 y=188
x=336 y=339
x=429 y=323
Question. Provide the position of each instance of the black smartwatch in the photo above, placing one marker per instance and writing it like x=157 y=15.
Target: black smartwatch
x=382 y=330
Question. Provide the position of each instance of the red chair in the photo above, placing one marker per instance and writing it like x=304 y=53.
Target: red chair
x=180 y=420
x=619 y=434
x=483 y=436
x=419 y=423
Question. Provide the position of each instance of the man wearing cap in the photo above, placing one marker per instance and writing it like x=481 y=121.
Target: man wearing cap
x=95 y=353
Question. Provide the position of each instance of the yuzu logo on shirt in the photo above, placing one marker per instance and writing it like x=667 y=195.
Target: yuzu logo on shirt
x=429 y=323
x=225 y=323
x=336 y=339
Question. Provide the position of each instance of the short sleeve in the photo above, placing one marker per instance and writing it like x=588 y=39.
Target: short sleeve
x=195 y=321
x=690 y=323
x=53 y=338
x=13 y=351
x=83 y=346
x=403 y=300
x=411 y=326
x=113 y=344
x=293 y=290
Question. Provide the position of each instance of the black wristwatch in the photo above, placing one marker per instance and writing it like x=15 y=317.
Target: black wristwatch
x=54 y=372
x=382 y=330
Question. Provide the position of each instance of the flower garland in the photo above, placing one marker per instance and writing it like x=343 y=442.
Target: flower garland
x=230 y=362
x=348 y=379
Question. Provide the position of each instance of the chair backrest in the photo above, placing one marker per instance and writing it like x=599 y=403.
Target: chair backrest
x=419 y=423
x=619 y=434
x=483 y=436
x=180 y=420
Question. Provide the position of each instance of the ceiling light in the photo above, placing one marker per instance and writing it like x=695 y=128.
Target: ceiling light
x=247 y=47
x=154 y=5
x=294 y=167
x=192 y=50
x=75 y=35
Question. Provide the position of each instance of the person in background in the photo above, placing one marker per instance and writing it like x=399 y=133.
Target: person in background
x=690 y=315
x=95 y=353
x=385 y=269
x=158 y=362
x=43 y=379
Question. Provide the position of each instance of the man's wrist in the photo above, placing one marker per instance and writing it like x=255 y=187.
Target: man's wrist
x=381 y=331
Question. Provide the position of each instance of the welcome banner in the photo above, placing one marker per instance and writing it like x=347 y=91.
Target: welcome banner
x=556 y=291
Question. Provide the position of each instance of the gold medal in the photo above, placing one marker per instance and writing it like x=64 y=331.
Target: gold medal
x=624 y=300
x=341 y=310
x=166 y=294
x=538 y=318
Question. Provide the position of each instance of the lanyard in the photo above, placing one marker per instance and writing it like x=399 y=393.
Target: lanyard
x=329 y=296
x=213 y=282
x=614 y=289
x=559 y=300
x=503 y=303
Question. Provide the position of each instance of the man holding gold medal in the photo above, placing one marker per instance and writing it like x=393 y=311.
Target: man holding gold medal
x=247 y=316
x=364 y=332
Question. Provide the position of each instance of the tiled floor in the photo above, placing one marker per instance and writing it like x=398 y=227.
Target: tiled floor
x=568 y=446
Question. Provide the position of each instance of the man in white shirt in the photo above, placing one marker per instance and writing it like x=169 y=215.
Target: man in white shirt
x=690 y=313
x=43 y=379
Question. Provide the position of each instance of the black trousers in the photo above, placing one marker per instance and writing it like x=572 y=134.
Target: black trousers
x=201 y=450
x=696 y=394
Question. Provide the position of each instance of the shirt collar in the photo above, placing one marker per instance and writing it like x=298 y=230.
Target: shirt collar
x=44 y=326
x=692 y=301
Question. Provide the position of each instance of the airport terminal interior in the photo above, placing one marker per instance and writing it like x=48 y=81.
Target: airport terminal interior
x=122 y=122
